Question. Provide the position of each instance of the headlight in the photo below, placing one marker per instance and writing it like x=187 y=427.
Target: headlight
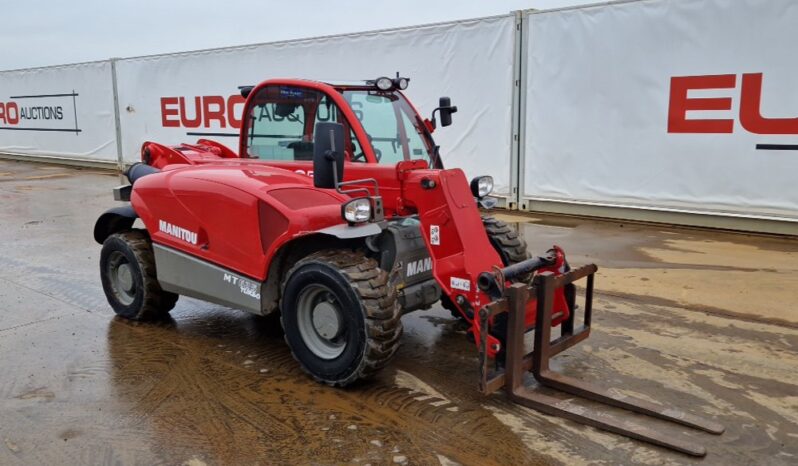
x=481 y=186
x=384 y=84
x=402 y=83
x=357 y=210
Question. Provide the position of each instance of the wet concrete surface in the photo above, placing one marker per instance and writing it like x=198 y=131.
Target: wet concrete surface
x=702 y=320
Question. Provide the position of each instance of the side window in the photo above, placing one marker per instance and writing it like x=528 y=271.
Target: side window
x=282 y=120
x=414 y=141
x=378 y=117
x=274 y=127
x=394 y=130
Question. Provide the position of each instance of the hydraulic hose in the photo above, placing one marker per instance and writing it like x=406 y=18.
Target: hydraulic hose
x=139 y=170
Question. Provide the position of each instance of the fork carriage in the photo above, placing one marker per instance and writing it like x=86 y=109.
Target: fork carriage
x=514 y=302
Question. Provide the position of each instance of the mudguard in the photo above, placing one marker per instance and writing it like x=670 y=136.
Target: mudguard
x=113 y=220
x=344 y=231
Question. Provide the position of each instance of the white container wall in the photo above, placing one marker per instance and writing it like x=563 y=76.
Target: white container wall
x=469 y=61
x=664 y=105
x=60 y=111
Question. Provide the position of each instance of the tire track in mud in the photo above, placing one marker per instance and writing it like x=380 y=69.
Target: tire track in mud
x=59 y=284
x=247 y=401
x=391 y=413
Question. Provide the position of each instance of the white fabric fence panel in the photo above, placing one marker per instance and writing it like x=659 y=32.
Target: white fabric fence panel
x=669 y=105
x=469 y=61
x=64 y=111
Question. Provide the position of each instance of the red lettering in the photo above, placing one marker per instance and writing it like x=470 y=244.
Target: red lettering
x=184 y=120
x=232 y=101
x=12 y=117
x=9 y=113
x=680 y=104
x=750 y=110
x=216 y=114
x=166 y=122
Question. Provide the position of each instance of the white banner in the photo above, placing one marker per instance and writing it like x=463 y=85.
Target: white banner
x=65 y=111
x=684 y=104
x=469 y=61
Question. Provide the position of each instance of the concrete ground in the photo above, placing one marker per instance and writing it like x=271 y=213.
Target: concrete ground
x=705 y=321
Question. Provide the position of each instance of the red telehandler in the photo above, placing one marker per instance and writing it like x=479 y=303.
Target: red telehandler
x=336 y=216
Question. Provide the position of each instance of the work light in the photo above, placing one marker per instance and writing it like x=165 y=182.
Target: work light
x=384 y=84
x=357 y=210
x=481 y=186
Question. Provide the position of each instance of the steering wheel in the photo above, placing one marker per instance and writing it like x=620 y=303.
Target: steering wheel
x=361 y=157
x=377 y=152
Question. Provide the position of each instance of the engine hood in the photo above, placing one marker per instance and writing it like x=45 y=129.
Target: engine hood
x=251 y=177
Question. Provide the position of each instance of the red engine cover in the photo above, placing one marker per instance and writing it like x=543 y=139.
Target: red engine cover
x=214 y=211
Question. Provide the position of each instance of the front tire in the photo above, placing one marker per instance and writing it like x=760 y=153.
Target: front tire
x=340 y=316
x=129 y=279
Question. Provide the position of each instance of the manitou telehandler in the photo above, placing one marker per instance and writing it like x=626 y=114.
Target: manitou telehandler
x=337 y=216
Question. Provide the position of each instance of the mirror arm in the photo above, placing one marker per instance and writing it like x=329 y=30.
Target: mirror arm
x=435 y=122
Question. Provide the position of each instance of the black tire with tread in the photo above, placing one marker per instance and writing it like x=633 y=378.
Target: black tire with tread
x=379 y=309
x=151 y=302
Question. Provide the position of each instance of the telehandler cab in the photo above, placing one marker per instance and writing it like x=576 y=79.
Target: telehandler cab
x=337 y=216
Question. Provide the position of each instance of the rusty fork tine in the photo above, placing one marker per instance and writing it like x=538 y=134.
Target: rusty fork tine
x=545 y=286
x=591 y=392
x=563 y=408
x=603 y=421
x=517 y=363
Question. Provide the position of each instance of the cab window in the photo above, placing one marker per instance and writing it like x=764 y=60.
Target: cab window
x=282 y=120
x=391 y=125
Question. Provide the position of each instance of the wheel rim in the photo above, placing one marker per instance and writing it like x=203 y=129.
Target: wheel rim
x=120 y=273
x=320 y=322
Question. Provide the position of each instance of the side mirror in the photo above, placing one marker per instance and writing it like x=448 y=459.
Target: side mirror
x=245 y=90
x=328 y=155
x=284 y=110
x=446 y=108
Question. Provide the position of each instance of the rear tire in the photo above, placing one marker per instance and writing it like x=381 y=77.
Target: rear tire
x=129 y=278
x=340 y=315
x=507 y=243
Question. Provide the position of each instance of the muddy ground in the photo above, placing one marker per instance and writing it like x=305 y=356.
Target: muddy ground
x=706 y=321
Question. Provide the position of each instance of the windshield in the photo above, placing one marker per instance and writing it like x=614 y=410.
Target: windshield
x=394 y=129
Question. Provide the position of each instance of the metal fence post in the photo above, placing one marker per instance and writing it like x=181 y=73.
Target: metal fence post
x=523 y=74
x=117 y=121
x=516 y=148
